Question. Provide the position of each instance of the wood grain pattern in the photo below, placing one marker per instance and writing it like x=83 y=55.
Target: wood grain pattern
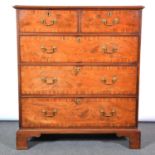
x=30 y=21
x=87 y=81
x=70 y=49
x=129 y=21
x=84 y=114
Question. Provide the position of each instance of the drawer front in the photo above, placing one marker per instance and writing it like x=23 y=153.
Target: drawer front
x=110 y=21
x=76 y=112
x=78 y=80
x=78 y=49
x=48 y=21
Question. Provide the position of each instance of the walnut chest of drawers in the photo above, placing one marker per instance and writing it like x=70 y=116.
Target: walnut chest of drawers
x=78 y=71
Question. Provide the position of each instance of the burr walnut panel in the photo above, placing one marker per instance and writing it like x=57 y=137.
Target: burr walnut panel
x=48 y=20
x=79 y=49
x=87 y=112
x=110 y=21
x=78 y=80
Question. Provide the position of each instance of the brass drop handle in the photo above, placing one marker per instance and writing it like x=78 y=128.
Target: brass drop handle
x=49 y=81
x=114 y=22
x=106 y=51
x=50 y=23
x=76 y=70
x=49 y=51
x=77 y=101
x=51 y=113
x=110 y=114
x=105 y=81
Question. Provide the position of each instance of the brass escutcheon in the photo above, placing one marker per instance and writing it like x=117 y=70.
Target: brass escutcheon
x=78 y=39
x=109 y=14
x=77 y=70
x=77 y=101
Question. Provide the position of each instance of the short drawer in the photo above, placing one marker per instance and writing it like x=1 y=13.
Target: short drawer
x=78 y=112
x=78 y=80
x=110 y=21
x=48 y=21
x=79 y=49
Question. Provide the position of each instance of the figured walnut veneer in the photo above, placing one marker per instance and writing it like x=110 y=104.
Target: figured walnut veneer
x=78 y=71
x=86 y=113
x=89 y=80
x=69 y=49
x=31 y=21
x=129 y=21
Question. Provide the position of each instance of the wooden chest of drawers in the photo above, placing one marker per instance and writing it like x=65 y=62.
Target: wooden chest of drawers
x=78 y=71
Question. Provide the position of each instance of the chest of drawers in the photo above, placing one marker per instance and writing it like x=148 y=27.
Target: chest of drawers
x=78 y=71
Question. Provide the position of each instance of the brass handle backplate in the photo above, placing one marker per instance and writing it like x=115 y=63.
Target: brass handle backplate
x=49 y=81
x=52 y=50
x=106 y=51
x=50 y=113
x=114 y=22
x=106 y=82
x=109 y=114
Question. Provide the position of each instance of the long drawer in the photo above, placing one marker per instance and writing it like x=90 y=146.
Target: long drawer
x=78 y=112
x=78 y=80
x=79 y=49
x=110 y=21
x=48 y=21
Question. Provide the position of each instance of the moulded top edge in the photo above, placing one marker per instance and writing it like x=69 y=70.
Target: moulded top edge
x=77 y=7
